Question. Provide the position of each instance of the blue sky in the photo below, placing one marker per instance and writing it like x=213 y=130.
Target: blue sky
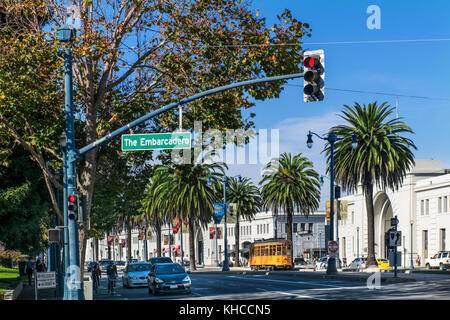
x=407 y=68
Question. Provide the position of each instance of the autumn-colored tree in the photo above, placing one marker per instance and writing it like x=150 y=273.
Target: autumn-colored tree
x=131 y=57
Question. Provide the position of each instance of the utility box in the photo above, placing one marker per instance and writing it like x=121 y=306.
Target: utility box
x=88 y=288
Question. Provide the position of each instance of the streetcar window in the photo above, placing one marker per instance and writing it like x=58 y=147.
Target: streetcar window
x=289 y=250
x=278 y=250
x=284 y=250
x=272 y=250
x=257 y=251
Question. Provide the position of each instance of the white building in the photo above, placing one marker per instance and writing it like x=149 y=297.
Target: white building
x=308 y=239
x=422 y=207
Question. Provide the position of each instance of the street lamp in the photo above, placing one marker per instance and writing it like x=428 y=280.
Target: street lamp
x=411 y=266
x=226 y=266
x=73 y=292
x=331 y=138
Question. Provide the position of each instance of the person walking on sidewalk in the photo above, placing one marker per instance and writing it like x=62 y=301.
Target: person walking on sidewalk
x=29 y=269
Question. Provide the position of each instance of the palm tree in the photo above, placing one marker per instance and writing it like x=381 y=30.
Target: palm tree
x=189 y=195
x=382 y=156
x=155 y=204
x=292 y=185
x=248 y=200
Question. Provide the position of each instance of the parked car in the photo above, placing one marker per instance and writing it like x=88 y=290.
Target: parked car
x=440 y=260
x=135 y=274
x=322 y=264
x=104 y=264
x=230 y=263
x=160 y=260
x=299 y=261
x=168 y=278
x=91 y=266
x=358 y=264
x=383 y=264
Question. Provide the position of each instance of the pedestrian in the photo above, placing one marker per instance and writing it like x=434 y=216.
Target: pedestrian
x=40 y=267
x=29 y=269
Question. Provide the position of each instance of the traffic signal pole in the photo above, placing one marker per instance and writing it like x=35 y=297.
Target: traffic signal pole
x=73 y=272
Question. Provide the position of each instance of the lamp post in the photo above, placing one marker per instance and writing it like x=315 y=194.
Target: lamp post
x=411 y=265
x=357 y=242
x=331 y=138
x=226 y=266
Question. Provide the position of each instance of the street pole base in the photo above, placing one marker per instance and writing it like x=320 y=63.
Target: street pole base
x=331 y=267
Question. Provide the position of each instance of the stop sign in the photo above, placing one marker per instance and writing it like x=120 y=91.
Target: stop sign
x=333 y=246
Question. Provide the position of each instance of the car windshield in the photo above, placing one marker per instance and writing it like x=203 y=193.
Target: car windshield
x=139 y=267
x=169 y=269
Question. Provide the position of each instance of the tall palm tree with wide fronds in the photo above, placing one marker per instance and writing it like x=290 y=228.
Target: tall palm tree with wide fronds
x=189 y=194
x=382 y=158
x=291 y=184
x=155 y=204
x=248 y=200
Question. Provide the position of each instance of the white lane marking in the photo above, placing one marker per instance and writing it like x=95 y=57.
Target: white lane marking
x=297 y=295
x=297 y=282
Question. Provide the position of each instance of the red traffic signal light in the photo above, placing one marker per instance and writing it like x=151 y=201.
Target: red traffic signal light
x=311 y=62
x=72 y=206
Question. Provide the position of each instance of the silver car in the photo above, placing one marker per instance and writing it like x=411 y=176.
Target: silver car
x=358 y=264
x=135 y=274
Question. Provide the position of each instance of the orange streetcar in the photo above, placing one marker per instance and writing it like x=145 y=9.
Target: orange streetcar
x=271 y=254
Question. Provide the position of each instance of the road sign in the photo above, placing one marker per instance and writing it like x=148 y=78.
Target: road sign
x=156 y=141
x=46 y=280
x=395 y=238
x=333 y=246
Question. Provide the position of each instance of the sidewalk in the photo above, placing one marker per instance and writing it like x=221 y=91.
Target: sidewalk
x=28 y=293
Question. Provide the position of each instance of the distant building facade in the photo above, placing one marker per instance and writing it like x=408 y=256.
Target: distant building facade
x=422 y=206
x=308 y=239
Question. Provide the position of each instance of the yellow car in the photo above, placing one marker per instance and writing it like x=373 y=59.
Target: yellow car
x=383 y=264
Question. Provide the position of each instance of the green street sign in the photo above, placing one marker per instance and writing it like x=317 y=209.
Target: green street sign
x=156 y=141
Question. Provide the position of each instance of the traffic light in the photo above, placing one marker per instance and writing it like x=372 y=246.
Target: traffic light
x=82 y=208
x=72 y=202
x=314 y=76
x=55 y=235
x=337 y=192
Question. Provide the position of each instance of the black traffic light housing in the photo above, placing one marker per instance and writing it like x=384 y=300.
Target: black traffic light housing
x=314 y=76
x=72 y=207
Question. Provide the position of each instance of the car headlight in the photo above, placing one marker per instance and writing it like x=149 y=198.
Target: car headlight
x=157 y=280
x=187 y=280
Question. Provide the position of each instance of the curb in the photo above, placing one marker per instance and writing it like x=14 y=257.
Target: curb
x=12 y=294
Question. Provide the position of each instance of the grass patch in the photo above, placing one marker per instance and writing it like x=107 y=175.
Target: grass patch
x=8 y=277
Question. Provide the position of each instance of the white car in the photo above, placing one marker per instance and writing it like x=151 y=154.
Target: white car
x=135 y=274
x=440 y=260
x=358 y=264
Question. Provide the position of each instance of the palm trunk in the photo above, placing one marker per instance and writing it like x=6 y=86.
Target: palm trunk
x=191 y=245
x=129 y=241
x=158 y=240
x=368 y=191
x=289 y=229
x=236 y=241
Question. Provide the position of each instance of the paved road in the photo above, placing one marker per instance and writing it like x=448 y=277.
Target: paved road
x=273 y=286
